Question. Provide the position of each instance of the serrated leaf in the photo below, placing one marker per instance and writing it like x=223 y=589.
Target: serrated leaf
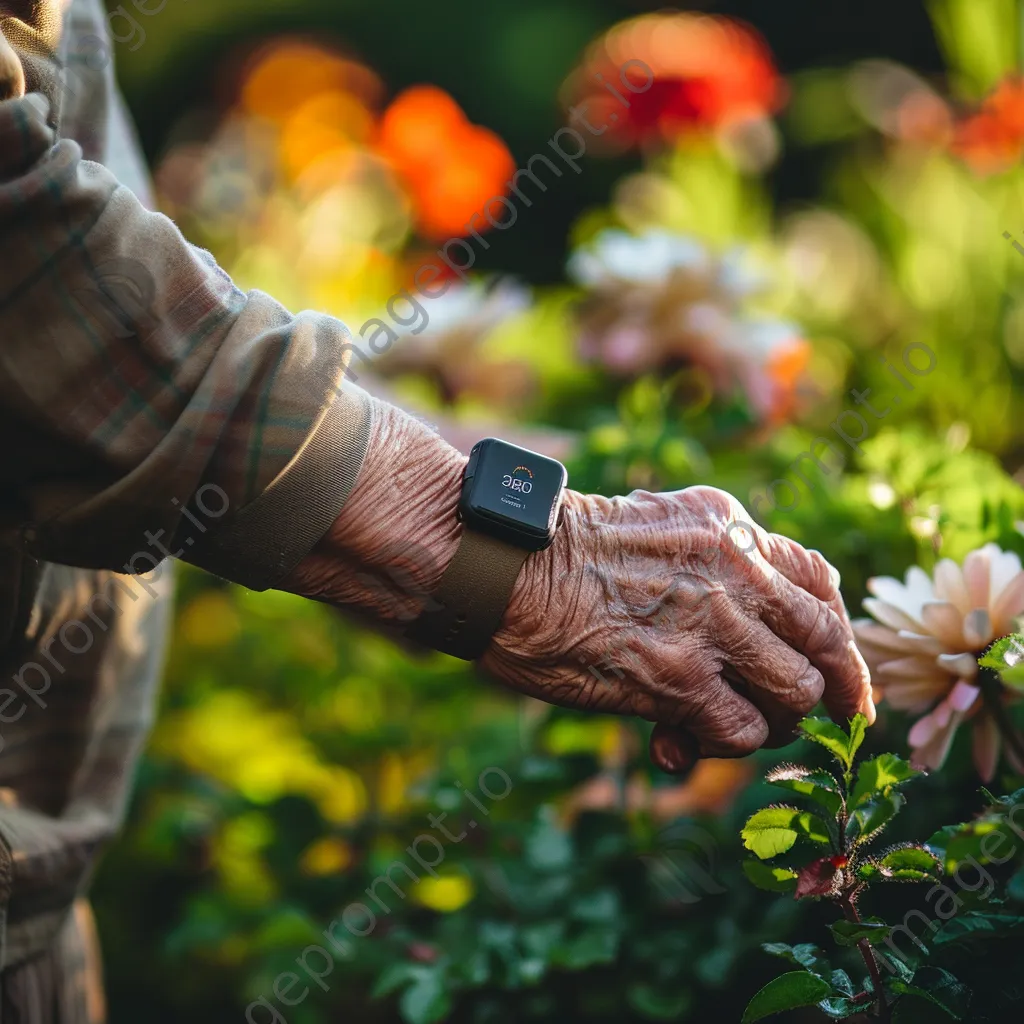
x=849 y=933
x=769 y=877
x=804 y=955
x=830 y=736
x=858 y=727
x=1006 y=656
x=872 y=818
x=938 y=987
x=869 y=871
x=879 y=776
x=774 y=830
x=912 y=858
x=787 y=992
x=1007 y=652
x=821 y=786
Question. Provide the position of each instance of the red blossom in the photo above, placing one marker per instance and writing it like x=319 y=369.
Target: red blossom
x=708 y=72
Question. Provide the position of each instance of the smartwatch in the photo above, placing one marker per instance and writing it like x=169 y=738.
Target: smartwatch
x=509 y=507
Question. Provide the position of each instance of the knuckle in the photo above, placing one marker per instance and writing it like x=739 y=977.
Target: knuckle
x=824 y=634
x=809 y=689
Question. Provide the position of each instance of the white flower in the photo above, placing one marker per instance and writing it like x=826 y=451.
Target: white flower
x=925 y=640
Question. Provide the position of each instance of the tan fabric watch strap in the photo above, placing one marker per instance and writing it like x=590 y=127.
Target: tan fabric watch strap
x=465 y=610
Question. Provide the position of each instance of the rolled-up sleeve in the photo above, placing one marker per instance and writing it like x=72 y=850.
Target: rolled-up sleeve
x=147 y=406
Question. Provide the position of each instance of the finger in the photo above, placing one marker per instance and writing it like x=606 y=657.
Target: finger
x=782 y=721
x=813 y=628
x=723 y=723
x=805 y=567
x=784 y=679
x=673 y=750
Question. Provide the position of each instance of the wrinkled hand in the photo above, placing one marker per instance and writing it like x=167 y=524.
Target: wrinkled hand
x=677 y=608
x=674 y=607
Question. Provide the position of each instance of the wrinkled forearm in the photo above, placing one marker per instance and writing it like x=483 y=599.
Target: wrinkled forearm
x=385 y=553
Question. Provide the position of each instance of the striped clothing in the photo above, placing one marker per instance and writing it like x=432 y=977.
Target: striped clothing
x=149 y=408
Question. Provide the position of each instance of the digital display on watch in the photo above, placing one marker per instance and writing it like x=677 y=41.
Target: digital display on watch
x=512 y=493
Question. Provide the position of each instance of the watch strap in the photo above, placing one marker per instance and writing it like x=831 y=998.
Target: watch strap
x=464 y=611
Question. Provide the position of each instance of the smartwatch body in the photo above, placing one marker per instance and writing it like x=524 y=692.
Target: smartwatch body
x=509 y=507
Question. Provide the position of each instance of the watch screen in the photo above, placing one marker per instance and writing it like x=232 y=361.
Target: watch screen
x=514 y=484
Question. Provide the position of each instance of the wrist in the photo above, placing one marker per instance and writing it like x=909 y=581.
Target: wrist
x=396 y=534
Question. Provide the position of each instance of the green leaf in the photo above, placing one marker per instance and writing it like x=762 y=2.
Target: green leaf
x=1006 y=656
x=879 y=776
x=657 y=1005
x=425 y=1002
x=1007 y=652
x=973 y=926
x=596 y=945
x=774 y=830
x=938 y=987
x=787 y=992
x=910 y=858
x=804 y=955
x=849 y=933
x=768 y=877
x=841 y=983
x=831 y=737
x=858 y=727
x=869 y=820
x=839 y=1007
x=394 y=976
x=820 y=786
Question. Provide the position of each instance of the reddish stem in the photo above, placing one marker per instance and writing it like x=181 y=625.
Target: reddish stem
x=868 y=954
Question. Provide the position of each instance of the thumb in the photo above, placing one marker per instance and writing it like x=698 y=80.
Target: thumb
x=673 y=750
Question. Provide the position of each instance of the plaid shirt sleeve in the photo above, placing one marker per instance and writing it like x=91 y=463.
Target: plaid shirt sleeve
x=148 y=405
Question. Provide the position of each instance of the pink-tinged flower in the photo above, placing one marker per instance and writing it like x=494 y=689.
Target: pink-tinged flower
x=923 y=644
x=658 y=299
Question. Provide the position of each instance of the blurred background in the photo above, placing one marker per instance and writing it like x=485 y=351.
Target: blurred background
x=805 y=193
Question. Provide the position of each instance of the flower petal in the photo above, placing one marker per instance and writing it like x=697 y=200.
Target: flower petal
x=945 y=621
x=962 y=665
x=978 y=574
x=936 y=740
x=978 y=628
x=914 y=694
x=919 y=643
x=877 y=635
x=1008 y=605
x=1005 y=566
x=962 y=696
x=890 y=616
x=949 y=585
x=899 y=596
x=909 y=668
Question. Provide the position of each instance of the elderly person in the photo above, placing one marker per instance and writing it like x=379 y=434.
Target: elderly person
x=216 y=427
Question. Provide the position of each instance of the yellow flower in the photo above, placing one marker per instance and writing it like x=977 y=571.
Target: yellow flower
x=446 y=893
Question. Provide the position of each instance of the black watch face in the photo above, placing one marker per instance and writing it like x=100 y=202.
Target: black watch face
x=512 y=493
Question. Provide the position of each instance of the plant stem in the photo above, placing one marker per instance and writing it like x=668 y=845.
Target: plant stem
x=850 y=912
x=992 y=694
